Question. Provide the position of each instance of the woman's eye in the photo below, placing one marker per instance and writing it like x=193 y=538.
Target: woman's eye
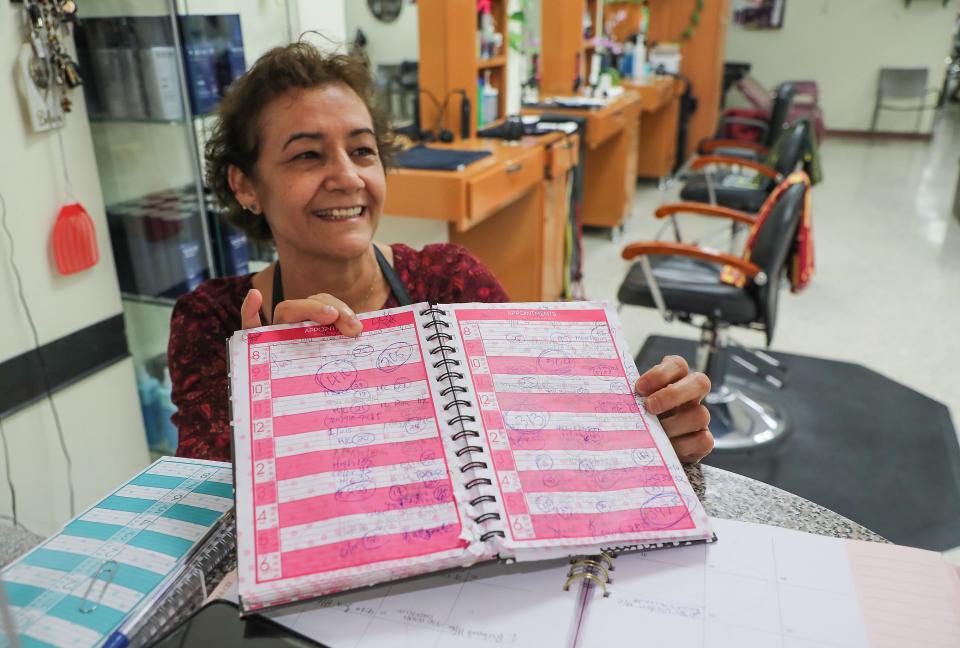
x=365 y=151
x=306 y=155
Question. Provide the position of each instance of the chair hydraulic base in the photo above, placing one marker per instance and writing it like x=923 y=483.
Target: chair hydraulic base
x=742 y=418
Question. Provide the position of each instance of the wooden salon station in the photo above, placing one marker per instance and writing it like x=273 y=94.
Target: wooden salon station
x=612 y=131
x=509 y=208
x=660 y=116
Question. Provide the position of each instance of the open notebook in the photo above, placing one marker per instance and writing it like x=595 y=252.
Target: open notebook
x=440 y=437
x=759 y=586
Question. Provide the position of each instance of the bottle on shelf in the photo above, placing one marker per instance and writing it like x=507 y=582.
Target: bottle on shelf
x=486 y=35
x=158 y=66
x=480 y=102
x=640 y=66
x=147 y=387
x=108 y=74
x=201 y=64
x=167 y=435
x=491 y=100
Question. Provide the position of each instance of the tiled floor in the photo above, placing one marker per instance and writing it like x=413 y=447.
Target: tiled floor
x=886 y=293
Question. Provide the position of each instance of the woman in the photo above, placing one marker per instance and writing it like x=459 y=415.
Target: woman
x=298 y=157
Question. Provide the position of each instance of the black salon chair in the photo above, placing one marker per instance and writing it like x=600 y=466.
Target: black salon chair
x=770 y=129
x=728 y=182
x=683 y=281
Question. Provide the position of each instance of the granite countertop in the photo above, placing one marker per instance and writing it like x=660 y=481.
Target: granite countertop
x=724 y=495
x=735 y=497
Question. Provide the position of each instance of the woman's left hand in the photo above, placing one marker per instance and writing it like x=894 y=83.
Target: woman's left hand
x=674 y=394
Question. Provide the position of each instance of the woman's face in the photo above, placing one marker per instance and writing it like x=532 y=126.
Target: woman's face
x=318 y=179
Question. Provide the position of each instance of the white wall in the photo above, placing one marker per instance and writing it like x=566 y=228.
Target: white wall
x=325 y=16
x=100 y=415
x=386 y=42
x=842 y=44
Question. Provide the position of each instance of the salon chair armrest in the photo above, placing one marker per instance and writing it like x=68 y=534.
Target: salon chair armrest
x=745 y=121
x=632 y=250
x=704 y=209
x=710 y=145
x=762 y=169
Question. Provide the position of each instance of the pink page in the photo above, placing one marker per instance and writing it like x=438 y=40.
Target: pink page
x=574 y=456
x=344 y=461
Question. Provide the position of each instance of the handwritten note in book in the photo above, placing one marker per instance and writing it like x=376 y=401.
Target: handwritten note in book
x=573 y=454
x=481 y=607
x=345 y=457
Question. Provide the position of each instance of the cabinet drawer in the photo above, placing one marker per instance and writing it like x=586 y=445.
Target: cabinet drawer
x=504 y=183
x=603 y=126
x=562 y=155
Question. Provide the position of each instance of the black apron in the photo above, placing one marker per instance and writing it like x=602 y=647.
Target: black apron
x=393 y=280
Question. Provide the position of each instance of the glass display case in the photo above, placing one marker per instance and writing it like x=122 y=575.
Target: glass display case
x=155 y=71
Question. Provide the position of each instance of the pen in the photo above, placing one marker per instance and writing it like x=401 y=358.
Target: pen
x=120 y=638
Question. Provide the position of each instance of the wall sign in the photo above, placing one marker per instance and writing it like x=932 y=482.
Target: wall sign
x=759 y=14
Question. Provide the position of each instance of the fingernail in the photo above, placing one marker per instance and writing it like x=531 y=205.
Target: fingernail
x=650 y=404
x=348 y=311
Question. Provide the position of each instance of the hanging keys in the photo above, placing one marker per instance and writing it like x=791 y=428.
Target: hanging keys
x=56 y=62
x=47 y=22
x=35 y=15
x=71 y=72
x=68 y=12
x=39 y=47
x=40 y=72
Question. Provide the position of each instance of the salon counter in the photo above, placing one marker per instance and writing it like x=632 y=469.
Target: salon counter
x=724 y=495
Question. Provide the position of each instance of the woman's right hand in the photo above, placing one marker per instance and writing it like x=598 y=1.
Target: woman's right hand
x=321 y=308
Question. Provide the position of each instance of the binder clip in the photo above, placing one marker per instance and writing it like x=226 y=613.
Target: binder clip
x=591 y=570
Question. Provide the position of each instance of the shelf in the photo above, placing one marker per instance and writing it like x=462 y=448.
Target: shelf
x=493 y=122
x=496 y=61
x=145 y=120
x=135 y=120
x=148 y=299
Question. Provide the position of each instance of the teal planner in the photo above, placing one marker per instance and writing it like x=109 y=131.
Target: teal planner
x=111 y=562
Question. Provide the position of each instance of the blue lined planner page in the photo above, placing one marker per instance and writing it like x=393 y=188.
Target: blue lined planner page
x=79 y=585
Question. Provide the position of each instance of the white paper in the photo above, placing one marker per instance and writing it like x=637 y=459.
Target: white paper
x=523 y=606
x=761 y=586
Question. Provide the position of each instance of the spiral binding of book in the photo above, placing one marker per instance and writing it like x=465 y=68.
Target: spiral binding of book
x=188 y=592
x=593 y=570
x=476 y=471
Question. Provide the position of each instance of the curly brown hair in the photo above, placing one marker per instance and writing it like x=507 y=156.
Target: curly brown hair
x=235 y=137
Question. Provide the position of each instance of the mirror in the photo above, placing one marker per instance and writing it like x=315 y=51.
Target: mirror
x=385 y=10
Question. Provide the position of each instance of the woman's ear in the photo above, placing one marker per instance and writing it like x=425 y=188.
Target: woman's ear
x=243 y=189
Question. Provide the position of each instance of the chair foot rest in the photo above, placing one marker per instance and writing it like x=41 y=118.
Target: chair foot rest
x=742 y=418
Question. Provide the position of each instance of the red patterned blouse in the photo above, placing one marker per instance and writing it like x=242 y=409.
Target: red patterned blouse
x=204 y=319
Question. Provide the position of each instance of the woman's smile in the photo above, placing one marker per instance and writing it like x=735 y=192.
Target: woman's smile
x=341 y=213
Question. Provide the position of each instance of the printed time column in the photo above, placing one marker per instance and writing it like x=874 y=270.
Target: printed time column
x=267 y=532
x=497 y=437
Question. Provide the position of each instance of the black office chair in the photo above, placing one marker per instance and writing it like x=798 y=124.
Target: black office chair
x=723 y=180
x=770 y=129
x=684 y=281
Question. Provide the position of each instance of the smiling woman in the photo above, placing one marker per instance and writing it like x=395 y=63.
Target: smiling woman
x=298 y=157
